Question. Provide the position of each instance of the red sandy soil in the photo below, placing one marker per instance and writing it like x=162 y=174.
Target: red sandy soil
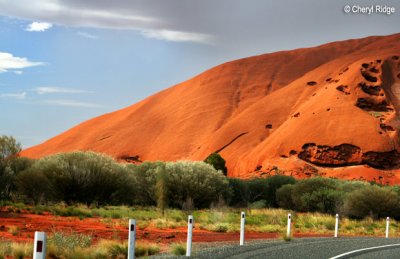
x=27 y=224
x=329 y=110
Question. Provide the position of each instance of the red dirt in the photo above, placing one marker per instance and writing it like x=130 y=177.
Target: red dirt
x=27 y=224
x=354 y=129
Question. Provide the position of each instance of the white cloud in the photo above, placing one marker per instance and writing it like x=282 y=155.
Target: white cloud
x=87 y=35
x=55 y=90
x=156 y=19
x=176 y=36
x=18 y=96
x=38 y=26
x=71 y=103
x=8 y=62
x=18 y=72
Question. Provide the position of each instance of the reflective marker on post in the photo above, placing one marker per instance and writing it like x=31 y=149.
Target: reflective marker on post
x=189 y=236
x=39 y=247
x=337 y=225
x=242 y=220
x=289 y=221
x=387 y=227
x=131 y=239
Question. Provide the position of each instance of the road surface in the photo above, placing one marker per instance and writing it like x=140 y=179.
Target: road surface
x=309 y=248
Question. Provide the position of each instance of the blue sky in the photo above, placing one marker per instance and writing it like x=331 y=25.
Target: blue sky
x=65 y=61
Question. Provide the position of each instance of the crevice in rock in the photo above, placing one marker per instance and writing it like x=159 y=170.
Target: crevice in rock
x=103 y=138
x=230 y=142
x=344 y=89
x=374 y=70
x=386 y=127
x=370 y=105
x=369 y=77
x=370 y=89
x=131 y=159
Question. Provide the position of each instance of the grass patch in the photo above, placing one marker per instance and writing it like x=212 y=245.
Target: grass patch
x=142 y=249
x=178 y=249
x=221 y=227
x=287 y=238
x=375 y=114
x=216 y=220
x=13 y=230
x=5 y=248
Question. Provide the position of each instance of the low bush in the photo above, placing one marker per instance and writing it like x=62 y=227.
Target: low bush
x=10 y=166
x=239 y=192
x=373 y=201
x=217 y=162
x=146 y=179
x=196 y=180
x=284 y=197
x=121 y=251
x=221 y=227
x=258 y=189
x=77 y=177
x=273 y=184
x=317 y=194
x=258 y=204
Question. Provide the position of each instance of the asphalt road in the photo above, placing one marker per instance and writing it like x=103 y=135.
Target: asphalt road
x=383 y=254
x=307 y=248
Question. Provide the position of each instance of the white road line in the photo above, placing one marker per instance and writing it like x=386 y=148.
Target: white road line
x=362 y=250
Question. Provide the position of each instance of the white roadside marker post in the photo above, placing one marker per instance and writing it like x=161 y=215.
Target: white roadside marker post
x=131 y=239
x=289 y=221
x=39 y=247
x=189 y=236
x=242 y=221
x=337 y=225
x=387 y=227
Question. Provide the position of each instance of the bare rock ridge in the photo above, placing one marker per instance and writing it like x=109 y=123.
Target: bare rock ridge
x=347 y=155
x=330 y=110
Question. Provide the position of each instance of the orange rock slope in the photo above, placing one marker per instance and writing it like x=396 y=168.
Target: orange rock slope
x=330 y=110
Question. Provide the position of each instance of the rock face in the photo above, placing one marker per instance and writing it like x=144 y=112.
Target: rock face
x=330 y=110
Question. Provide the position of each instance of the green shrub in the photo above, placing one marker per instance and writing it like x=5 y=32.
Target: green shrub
x=34 y=185
x=120 y=251
x=83 y=177
x=258 y=189
x=217 y=162
x=373 y=201
x=239 y=192
x=10 y=165
x=221 y=227
x=258 y=204
x=273 y=184
x=178 y=249
x=146 y=179
x=284 y=197
x=9 y=147
x=317 y=194
x=195 y=180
